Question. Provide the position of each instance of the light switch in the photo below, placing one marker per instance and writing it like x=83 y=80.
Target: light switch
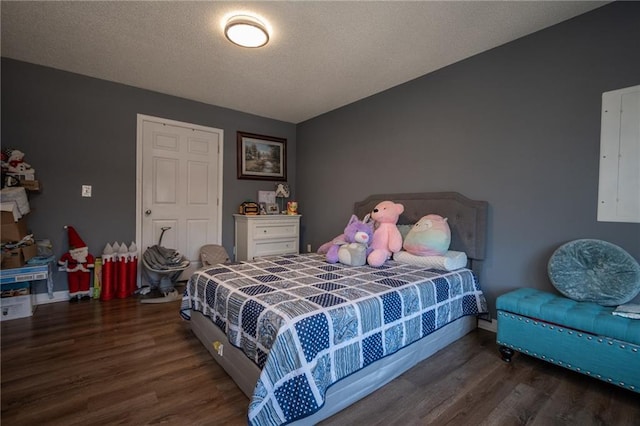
x=86 y=190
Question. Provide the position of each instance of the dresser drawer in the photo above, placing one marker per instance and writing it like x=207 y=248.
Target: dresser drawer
x=269 y=230
x=271 y=248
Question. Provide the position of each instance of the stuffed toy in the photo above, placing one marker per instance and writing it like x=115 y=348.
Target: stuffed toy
x=16 y=163
x=356 y=252
x=78 y=262
x=430 y=236
x=350 y=247
x=386 y=237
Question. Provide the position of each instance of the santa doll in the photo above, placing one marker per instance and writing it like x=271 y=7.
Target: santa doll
x=78 y=262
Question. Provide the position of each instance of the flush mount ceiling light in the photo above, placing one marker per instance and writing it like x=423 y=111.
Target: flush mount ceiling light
x=246 y=31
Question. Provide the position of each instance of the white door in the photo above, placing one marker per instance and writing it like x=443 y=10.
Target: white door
x=179 y=186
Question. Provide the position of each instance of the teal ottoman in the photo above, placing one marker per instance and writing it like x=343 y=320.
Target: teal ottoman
x=581 y=336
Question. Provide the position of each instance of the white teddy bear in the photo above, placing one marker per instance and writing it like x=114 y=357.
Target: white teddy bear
x=17 y=164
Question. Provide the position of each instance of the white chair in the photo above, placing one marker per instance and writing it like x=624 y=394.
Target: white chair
x=213 y=254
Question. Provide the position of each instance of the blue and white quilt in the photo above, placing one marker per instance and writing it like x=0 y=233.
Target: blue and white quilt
x=308 y=324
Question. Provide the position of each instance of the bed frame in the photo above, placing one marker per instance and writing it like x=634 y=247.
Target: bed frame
x=467 y=220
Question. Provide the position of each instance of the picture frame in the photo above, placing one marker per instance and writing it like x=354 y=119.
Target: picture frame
x=273 y=209
x=261 y=157
x=267 y=197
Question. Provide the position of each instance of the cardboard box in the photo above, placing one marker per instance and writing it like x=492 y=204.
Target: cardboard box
x=12 y=258
x=21 y=288
x=16 y=307
x=29 y=251
x=12 y=231
x=17 y=257
x=6 y=218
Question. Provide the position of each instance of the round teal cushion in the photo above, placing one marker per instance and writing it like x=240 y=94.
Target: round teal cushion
x=594 y=271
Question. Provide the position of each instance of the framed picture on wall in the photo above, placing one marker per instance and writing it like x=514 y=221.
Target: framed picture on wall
x=261 y=157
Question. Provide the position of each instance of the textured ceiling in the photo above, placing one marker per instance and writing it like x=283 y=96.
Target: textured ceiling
x=322 y=55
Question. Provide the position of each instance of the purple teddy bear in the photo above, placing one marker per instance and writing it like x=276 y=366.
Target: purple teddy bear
x=351 y=247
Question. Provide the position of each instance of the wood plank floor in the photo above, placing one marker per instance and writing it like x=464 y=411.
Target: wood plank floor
x=122 y=362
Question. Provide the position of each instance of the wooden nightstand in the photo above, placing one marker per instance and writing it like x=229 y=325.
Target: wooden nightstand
x=266 y=235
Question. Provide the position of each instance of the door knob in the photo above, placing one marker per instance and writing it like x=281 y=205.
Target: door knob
x=148 y=212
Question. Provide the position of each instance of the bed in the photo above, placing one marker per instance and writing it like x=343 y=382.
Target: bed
x=303 y=339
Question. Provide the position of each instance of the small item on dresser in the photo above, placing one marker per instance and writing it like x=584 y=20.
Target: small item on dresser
x=292 y=207
x=267 y=197
x=249 y=208
x=273 y=209
x=282 y=191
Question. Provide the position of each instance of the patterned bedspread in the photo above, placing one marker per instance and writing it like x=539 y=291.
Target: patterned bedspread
x=307 y=323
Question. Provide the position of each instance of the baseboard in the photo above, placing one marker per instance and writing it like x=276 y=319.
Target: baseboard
x=491 y=326
x=58 y=296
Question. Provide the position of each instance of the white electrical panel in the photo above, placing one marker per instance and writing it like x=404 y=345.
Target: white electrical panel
x=619 y=187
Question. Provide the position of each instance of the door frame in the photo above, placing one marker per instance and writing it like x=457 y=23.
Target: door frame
x=139 y=160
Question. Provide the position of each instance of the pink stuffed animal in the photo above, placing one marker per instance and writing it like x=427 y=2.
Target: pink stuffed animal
x=386 y=237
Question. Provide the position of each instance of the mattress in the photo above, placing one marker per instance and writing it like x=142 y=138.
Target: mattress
x=307 y=324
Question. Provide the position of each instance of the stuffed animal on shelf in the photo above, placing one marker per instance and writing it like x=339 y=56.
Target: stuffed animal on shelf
x=352 y=246
x=16 y=163
x=386 y=237
x=77 y=262
x=430 y=236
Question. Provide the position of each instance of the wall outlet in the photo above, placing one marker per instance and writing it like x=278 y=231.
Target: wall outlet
x=86 y=190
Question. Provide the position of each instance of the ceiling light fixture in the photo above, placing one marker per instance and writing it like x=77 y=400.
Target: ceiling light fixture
x=246 y=31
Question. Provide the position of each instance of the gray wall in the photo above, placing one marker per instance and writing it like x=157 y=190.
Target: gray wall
x=78 y=130
x=518 y=126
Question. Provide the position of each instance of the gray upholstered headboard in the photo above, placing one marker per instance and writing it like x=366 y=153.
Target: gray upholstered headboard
x=467 y=218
